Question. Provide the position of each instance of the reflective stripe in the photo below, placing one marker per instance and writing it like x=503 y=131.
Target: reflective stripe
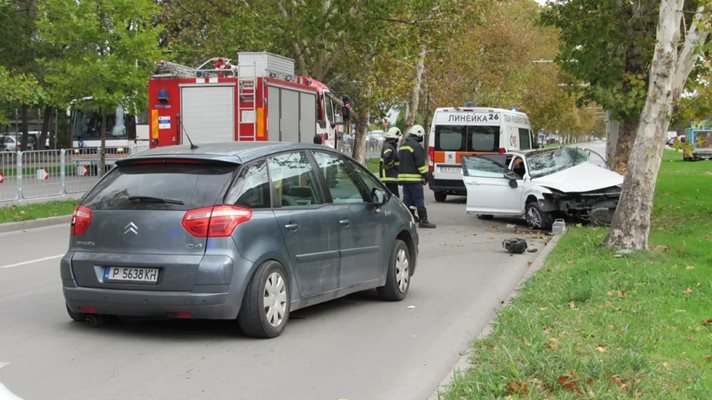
x=410 y=149
x=386 y=151
x=389 y=179
x=423 y=169
x=410 y=178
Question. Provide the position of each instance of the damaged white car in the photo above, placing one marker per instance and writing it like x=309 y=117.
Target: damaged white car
x=541 y=185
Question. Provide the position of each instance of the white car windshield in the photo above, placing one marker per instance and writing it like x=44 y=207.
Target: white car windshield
x=547 y=162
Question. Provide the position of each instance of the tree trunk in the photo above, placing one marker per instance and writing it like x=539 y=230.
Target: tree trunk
x=359 y=150
x=631 y=221
x=415 y=98
x=46 y=118
x=102 y=148
x=613 y=128
x=624 y=146
x=25 y=115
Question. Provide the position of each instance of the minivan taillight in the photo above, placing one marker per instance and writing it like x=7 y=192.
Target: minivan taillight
x=502 y=150
x=81 y=219
x=218 y=221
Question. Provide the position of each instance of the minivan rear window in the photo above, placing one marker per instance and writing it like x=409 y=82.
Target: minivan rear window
x=160 y=186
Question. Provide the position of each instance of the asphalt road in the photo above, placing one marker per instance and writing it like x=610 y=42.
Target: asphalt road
x=354 y=348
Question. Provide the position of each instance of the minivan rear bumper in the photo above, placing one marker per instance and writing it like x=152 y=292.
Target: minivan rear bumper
x=150 y=304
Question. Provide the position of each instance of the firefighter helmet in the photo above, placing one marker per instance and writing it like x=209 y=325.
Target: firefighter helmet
x=393 y=133
x=416 y=130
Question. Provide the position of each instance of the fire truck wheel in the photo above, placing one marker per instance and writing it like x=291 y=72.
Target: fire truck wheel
x=398 y=274
x=265 y=306
x=440 y=196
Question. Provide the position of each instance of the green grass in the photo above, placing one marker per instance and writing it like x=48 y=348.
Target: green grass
x=26 y=212
x=372 y=165
x=592 y=325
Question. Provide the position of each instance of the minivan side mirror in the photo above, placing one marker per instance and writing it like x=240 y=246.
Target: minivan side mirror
x=378 y=197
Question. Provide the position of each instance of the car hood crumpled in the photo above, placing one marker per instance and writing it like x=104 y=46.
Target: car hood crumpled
x=581 y=178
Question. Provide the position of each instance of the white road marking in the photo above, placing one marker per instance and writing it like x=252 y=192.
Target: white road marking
x=31 y=261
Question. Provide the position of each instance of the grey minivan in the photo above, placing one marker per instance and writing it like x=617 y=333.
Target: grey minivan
x=246 y=230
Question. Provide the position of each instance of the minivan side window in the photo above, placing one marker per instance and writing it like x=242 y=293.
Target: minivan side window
x=344 y=189
x=251 y=188
x=293 y=180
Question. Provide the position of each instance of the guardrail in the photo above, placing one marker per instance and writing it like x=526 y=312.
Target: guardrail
x=44 y=174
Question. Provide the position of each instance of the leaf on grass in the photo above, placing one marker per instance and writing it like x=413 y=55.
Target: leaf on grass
x=707 y=322
x=620 y=382
x=689 y=267
x=600 y=349
x=572 y=305
x=617 y=293
x=568 y=381
x=517 y=387
x=708 y=358
x=687 y=291
x=552 y=343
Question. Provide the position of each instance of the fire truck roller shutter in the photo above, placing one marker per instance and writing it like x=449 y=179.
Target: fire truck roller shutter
x=307 y=116
x=208 y=113
x=289 y=121
x=273 y=113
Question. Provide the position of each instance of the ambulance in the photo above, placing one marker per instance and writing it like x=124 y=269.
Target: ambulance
x=461 y=131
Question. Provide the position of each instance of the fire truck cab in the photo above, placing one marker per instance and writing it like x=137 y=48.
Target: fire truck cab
x=259 y=99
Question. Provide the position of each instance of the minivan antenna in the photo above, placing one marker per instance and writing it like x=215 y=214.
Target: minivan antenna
x=192 y=145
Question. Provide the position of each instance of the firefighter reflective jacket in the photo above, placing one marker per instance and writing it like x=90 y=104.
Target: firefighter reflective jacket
x=388 y=170
x=412 y=167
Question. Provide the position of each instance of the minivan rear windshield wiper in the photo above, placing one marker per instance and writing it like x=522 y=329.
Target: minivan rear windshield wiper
x=150 y=199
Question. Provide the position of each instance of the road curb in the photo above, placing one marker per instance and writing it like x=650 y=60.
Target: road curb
x=35 y=223
x=463 y=363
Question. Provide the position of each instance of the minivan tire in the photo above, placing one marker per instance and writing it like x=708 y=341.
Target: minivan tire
x=440 y=196
x=260 y=320
x=398 y=274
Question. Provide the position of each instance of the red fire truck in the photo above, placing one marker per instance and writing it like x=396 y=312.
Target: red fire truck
x=260 y=98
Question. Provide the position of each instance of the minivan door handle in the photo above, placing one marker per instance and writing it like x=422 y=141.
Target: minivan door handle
x=291 y=227
x=345 y=222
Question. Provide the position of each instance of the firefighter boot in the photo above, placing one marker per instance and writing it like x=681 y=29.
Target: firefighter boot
x=424 y=223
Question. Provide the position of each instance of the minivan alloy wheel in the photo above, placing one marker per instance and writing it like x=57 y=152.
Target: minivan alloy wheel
x=398 y=274
x=275 y=299
x=402 y=270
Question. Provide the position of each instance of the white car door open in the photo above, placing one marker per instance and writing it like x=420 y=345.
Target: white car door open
x=488 y=190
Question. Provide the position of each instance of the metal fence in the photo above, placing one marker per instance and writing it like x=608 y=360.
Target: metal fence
x=44 y=174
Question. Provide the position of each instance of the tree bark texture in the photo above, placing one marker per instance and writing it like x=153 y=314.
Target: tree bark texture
x=624 y=145
x=415 y=98
x=359 y=150
x=631 y=221
x=613 y=127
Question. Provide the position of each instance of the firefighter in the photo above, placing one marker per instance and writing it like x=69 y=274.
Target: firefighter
x=388 y=168
x=413 y=173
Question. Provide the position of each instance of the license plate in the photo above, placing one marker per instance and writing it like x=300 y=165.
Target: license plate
x=450 y=170
x=131 y=274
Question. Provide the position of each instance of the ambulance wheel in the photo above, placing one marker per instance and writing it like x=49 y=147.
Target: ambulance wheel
x=537 y=218
x=398 y=274
x=440 y=196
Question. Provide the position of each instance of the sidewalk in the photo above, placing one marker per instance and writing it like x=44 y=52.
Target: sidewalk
x=35 y=223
